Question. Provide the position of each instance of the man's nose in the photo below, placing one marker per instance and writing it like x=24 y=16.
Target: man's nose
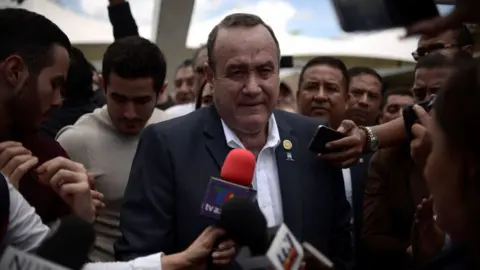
x=321 y=94
x=129 y=111
x=57 y=99
x=363 y=101
x=252 y=87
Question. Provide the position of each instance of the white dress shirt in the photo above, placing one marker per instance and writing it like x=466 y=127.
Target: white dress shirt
x=265 y=180
x=26 y=231
x=347 y=180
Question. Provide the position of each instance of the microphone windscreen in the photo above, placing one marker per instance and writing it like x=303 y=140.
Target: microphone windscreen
x=69 y=243
x=245 y=224
x=238 y=167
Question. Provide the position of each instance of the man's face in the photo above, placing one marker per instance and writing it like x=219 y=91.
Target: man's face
x=245 y=79
x=184 y=79
x=39 y=95
x=364 y=97
x=444 y=43
x=130 y=102
x=322 y=94
x=428 y=81
x=199 y=68
x=394 y=106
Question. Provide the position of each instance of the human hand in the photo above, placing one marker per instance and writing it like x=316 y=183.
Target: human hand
x=97 y=197
x=350 y=148
x=70 y=181
x=430 y=237
x=15 y=161
x=465 y=11
x=421 y=144
x=199 y=251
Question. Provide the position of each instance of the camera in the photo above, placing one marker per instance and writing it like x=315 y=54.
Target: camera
x=410 y=117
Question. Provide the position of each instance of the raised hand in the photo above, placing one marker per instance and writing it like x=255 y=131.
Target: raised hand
x=15 y=161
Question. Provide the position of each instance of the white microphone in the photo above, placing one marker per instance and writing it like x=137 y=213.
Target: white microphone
x=14 y=259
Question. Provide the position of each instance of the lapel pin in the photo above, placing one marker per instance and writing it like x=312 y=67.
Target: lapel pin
x=287 y=144
x=289 y=156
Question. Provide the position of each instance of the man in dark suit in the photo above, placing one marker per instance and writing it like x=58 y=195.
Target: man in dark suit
x=175 y=159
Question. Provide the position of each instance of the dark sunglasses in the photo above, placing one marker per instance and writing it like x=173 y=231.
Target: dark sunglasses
x=422 y=51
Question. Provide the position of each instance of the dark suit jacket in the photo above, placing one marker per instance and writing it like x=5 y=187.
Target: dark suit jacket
x=173 y=164
x=395 y=186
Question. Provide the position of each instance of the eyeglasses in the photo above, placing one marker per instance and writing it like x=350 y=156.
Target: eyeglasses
x=422 y=51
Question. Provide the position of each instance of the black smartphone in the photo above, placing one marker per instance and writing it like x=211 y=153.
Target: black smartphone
x=410 y=117
x=322 y=136
x=366 y=15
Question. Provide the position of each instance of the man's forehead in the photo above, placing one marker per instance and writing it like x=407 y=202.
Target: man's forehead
x=251 y=41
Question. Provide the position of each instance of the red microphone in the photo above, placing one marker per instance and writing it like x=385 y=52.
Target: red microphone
x=235 y=180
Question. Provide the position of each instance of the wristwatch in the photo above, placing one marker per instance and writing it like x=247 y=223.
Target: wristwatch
x=371 y=144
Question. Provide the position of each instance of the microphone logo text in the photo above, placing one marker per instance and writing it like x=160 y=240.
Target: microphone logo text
x=288 y=254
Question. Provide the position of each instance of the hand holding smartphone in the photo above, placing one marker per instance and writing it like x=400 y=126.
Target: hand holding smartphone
x=322 y=136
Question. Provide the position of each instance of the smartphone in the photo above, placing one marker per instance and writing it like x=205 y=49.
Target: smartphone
x=322 y=136
x=410 y=117
x=367 y=15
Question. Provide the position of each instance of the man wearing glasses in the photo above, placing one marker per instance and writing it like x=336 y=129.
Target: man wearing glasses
x=447 y=43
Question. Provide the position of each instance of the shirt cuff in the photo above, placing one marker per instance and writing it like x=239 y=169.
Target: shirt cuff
x=151 y=262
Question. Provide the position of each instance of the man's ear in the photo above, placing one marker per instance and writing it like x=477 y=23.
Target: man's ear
x=165 y=85
x=15 y=71
x=101 y=81
x=468 y=48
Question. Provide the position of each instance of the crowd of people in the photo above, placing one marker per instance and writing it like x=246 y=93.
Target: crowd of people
x=114 y=148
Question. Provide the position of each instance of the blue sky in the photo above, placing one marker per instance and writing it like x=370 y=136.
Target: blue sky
x=314 y=18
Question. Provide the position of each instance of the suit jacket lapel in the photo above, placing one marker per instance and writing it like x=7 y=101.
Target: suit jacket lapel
x=288 y=161
x=215 y=137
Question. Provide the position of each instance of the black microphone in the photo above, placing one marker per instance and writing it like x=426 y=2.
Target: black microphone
x=69 y=243
x=245 y=223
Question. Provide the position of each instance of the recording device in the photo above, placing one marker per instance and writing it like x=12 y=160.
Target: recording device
x=245 y=224
x=314 y=257
x=366 y=15
x=69 y=243
x=322 y=136
x=410 y=117
x=14 y=259
x=235 y=180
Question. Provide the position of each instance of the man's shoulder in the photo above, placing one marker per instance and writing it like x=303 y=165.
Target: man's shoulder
x=186 y=125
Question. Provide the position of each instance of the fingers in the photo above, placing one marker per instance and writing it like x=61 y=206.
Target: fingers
x=17 y=161
x=224 y=253
x=97 y=199
x=346 y=126
x=7 y=153
x=21 y=170
x=210 y=235
x=418 y=131
x=63 y=177
x=48 y=169
x=423 y=116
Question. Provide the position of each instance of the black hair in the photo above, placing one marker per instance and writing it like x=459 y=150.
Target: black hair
x=233 y=21
x=356 y=71
x=401 y=91
x=79 y=79
x=438 y=60
x=31 y=36
x=464 y=36
x=198 y=102
x=196 y=53
x=133 y=58
x=327 y=61
x=185 y=64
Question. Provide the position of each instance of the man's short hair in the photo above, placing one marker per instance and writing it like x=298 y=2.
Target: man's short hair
x=400 y=91
x=438 y=60
x=79 y=79
x=325 y=61
x=196 y=53
x=234 y=21
x=186 y=63
x=134 y=58
x=464 y=36
x=356 y=71
x=31 y=36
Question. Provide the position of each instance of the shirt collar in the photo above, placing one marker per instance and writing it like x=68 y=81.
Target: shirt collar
x=273 y=137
